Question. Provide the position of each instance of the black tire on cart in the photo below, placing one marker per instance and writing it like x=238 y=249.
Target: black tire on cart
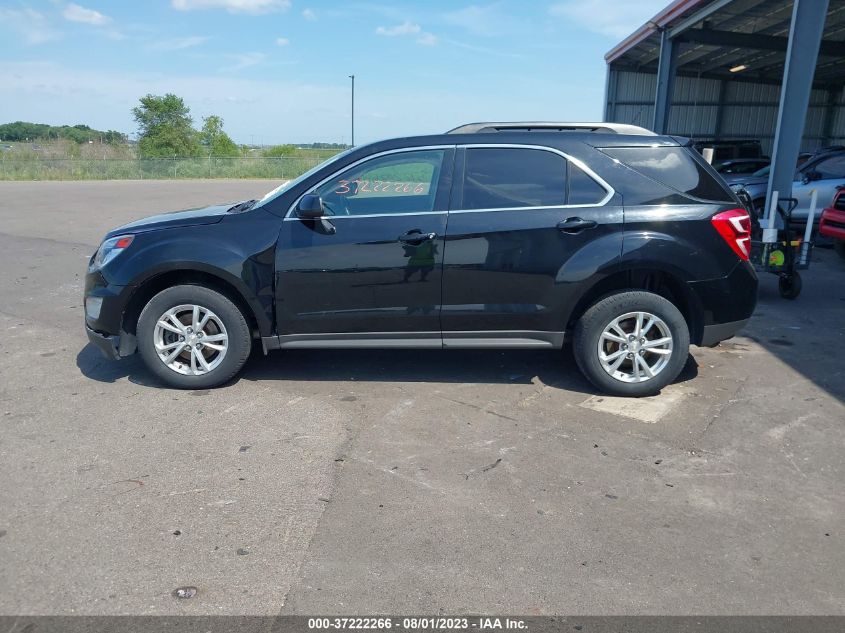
x=839 y=247
x=789 y=285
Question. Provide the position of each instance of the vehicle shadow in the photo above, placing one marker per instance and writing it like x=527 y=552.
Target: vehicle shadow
x=806 y=333
x=92 y=364
x=554 y=368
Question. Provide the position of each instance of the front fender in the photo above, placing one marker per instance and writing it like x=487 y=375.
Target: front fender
x=242 y=259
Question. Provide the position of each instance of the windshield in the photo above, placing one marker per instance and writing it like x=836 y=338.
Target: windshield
x=762 y=172
x=285 y=186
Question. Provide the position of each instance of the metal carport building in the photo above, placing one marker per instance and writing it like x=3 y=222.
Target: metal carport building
x=728 y=69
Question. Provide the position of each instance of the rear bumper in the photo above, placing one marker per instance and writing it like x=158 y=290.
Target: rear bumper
x=832 y=224
x=726 y=304
x=715 y=333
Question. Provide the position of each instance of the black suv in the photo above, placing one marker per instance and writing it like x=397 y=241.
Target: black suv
x=517 y=235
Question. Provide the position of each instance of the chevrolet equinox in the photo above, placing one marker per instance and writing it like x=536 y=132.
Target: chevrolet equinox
x=493 y=235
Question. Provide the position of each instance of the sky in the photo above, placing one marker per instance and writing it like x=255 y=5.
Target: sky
x=277 y=70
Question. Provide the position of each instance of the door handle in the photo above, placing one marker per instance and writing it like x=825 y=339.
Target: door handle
x=416 y=236
x=576 y=225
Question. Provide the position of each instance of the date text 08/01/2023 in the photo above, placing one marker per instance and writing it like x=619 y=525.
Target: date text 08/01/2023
x=417 y=623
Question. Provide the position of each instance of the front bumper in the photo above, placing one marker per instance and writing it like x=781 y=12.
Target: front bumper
x=113 y=346
x=105 y=304
x=108 y=345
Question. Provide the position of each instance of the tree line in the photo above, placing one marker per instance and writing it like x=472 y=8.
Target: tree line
x=23 y=131
x=165 y=129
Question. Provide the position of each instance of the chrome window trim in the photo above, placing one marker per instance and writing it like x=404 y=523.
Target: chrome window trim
x=371 y=215
x=289 y=216
x=401 y=150
x=575 y=161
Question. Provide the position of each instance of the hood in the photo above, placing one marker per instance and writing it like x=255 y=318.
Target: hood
x=190 y=217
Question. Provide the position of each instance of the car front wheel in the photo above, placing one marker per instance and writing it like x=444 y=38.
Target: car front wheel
x=193 y=337
x=631 y=343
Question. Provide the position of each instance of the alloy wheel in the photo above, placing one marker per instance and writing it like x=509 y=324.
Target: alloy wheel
x=190 y=339
x=635 y=347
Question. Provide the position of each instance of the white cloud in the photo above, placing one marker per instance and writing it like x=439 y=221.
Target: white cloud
x=254 y=7
x=243 y=60
x=76 y=13
x=179 y=43
x=485 y=50
x=486 y=20
x=31 y=25
x=309 y=15
x=406 y=28
x=282 y=41
x=611 y=18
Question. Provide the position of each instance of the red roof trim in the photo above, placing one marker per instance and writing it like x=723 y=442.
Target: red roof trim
x=663 y=18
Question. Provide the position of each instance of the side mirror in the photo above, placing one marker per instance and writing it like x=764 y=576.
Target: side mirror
x=811 y=176
x=310 y=207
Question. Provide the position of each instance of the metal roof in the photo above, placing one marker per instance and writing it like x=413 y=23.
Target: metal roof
x=732 y=33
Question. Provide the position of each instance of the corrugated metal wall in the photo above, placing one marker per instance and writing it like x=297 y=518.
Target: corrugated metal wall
x=748 y=110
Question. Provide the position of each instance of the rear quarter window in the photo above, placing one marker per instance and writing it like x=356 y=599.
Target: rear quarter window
x=674 y=167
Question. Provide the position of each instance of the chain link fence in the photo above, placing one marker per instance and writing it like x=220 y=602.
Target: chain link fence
x=278 y=168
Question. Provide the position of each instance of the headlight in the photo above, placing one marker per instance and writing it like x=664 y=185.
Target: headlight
x=111 y=248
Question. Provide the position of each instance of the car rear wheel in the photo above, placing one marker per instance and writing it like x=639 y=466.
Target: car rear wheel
x=193 y=337
x=631 y=343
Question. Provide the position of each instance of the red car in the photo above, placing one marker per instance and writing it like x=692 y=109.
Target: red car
x=832 y=223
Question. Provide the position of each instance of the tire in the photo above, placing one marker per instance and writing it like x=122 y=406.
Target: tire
x=789 y=286
x=839 y=247
x=666 y=363
x=169 y=315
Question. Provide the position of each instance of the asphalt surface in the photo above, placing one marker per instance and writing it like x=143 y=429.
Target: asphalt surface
x=399 y=481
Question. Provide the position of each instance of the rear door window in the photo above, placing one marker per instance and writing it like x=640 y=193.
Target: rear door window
x=513 y=178
x=582 y=188
x=674 y=167
x=505 y=178
x=833 y=167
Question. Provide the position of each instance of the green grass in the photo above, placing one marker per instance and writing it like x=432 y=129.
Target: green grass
x=69 y=161
x=155 y=168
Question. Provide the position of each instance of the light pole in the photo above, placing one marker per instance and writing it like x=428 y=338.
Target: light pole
x=352 y=77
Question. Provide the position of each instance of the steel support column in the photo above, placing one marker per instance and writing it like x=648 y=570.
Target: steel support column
x=666 y=67
x=805 y=36
x=830 y=114
x=611 y=81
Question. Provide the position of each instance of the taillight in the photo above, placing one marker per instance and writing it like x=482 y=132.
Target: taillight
x=735 y=228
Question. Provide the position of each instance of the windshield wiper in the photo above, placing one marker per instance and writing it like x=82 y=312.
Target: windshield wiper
x=242 y=206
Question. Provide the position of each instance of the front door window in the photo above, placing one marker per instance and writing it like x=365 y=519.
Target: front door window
x=401 y=183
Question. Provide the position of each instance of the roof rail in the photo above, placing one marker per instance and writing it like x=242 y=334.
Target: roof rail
x=551 y=126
